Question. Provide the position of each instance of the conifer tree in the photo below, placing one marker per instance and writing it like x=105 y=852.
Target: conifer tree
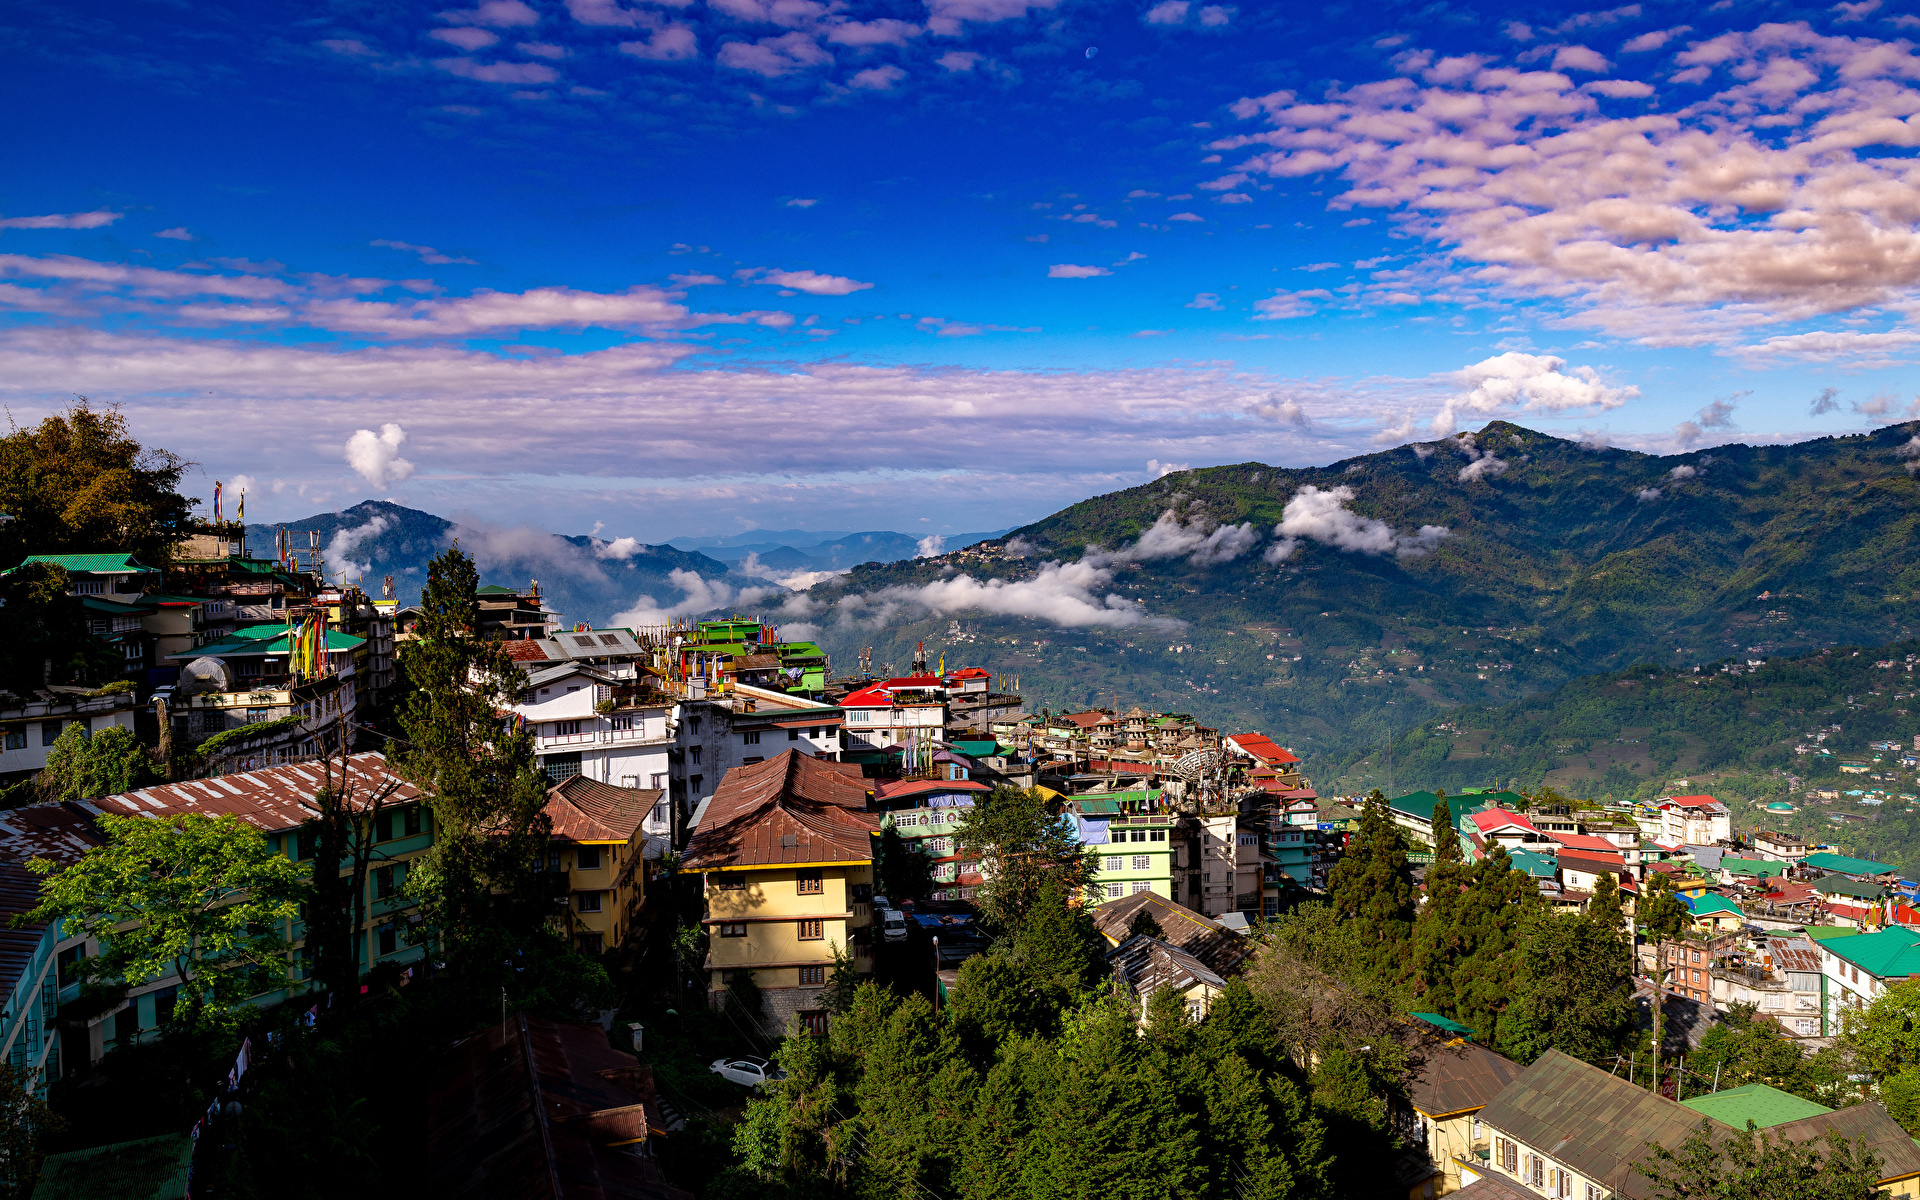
x=914 y=1094
x=1573 y=992
x=1446 y=843
x=1463 y=950
x=474 y=765
x=1145 y=922
x=1059 y=941
x=1372 y=887
x=1024 y=847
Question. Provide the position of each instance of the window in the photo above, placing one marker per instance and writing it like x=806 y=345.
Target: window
x=589 y=902
x=733 y=929
x=659 y=781
x=659 y=814
x=1157 y=835
x=1141 y=886
x=90 y=587
x=814 y=1020
x=163 y=1002
x=1111 y=864
x=1479 y=1130
x=592 y=943
x=304 y=843
x=1141 y=862
x=383 y=884
x=17 y=738
x=49 y=732
x=812 y=931
x=389 y=939
x=1115 y=891
x=1593 y=1192
x=560 y=766
x=733 y=883
x=1509 y=1155
x=410 y=821
x=747 y=762
x=383 y=827
x=793 y=735
x=565 y=728
x=750 y=739
x=586 y=858
x=813 y=975
x=1539 y=1172
x=69 y=964
x=811 y=883
x=695 y=755
x=624 y=723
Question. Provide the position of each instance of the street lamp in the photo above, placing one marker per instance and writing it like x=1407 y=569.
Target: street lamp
x=936 y=972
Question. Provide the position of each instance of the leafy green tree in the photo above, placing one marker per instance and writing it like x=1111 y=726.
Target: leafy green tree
x=1901 y=1094
x=1886 y=1034
x=913 y=1096
x=905 y=872
x=1024 y=847
x=1446 y=843
x=1744 y=1048
x=78 y=482
x=1573 y=992
x=1372 y=886
x=1350 y=1098
x=202 y=898
x=1750 y=1165
x=26 y=1123
x=477 y=769
x=1059 y=942
x=1607 y=903
x=107 y=763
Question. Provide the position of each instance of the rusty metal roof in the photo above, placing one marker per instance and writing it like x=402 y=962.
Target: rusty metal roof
x=789 y=809
x=1899 y=1157
x=19 y=893
x=1594 y=1123
x=273 y=799
x=1458 y=1077
x=62 y=832
x=1212 y=943
x=586 y=810
x=534 y=1109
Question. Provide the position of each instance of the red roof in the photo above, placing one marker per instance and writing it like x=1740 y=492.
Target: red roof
x=1583 y=841
x=1496 y=817
x=901 y=788
x=971 y=673
x=1582 y=860
x=1262 y=747
x=1692 y=802
x=1085 y=720
x=524 y=650
x=789 y=809
x=871 y=696
x=914 y=681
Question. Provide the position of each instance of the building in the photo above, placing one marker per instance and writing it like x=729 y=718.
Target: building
x=1134 y=844
x=540 y=1110
x=1264 y=752
x=1695 y=820
x=1501 y=827
x=1853 y=868
x=512 y=613
x=1563 y=1128
x=1220 y=949
x=1780 y=847
x=277 y=801
x=586 y=720
x=784 y=851
x=596 y=858
x=1796 y=1120
x=1780 y=976
x=905 y=716
x=927 y=813
x=30 y=726
x=1858 y=970
x=1453 y=1081
x=37 y=962
x=251 y=678
x=716 y=731
x=1221 y=872
x=1144 y=965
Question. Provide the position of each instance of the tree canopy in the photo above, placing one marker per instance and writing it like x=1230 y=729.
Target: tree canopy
x=79 y=482
x=1024 y=848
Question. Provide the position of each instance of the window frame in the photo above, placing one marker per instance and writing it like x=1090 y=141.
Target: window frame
x=810 y=929
x=589 y=902
x=810 y=883
x=733 y=929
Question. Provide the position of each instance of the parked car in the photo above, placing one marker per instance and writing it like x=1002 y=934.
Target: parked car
x=747 y=1070
x=881 y=904
x=893 y=926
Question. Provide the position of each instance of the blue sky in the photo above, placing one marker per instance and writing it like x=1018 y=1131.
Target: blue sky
x=940 y=266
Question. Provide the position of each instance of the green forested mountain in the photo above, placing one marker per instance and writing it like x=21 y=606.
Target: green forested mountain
x=1560 y=559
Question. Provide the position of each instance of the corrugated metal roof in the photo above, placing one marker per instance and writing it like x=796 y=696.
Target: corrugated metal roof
x=273 y=799
x=19 y=893
x=1144 y=963
x=789 y=809
x=1206 y=939
x=1458 y=1077
x=1585 y=1118
x=1899 y=1157
x=95 y=563
x=62 y=832
x=586 y=810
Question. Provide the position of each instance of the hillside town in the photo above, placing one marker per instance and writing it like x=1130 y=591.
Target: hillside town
x=725 y=822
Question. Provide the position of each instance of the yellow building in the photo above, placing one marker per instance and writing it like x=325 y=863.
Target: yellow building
x=784 y=850
x=1445 y=1092
x=595 y=860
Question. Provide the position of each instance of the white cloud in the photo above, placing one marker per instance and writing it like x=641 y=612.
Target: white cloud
x=1213 y=16
x=946 y=17
x=179 y=233
x=1063 y=593
x=1717 y=415
x=499 y=72
x=465 y=37
x=773 y=57
x=1646 y=494
x=877 y=79
x=1073 y=271
x=813 y=283
x=1210 y=300
x=1515 y=381
x=427 y=253
x=1284 y=304
x=698 y=596
x=670 y=43
x=1323 y=516
x=339 y=552
x=1167 y=12
x=82 y=220
x=801 y=202
x=1284 y=409
x=1194 y=218
x=1909 y=453
x=1682 y=473
x=375 y=457
x=882 y=32
x=930 y=546
x=619 y=549
x=1160 y=470
x=501 y=14
x=1203 y=542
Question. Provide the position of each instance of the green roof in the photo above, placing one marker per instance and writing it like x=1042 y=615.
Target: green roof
x=494 y=589
x=1442 y=1023
x=1419 y=805
x=238 y=645
x=1540 y=866
x=1826 y=933
x=1710 y=904
x=1090 y=805
x=1752 y=866
x=973 y=749
x=1764 y=1106
x=1842 y=864
x=116 y=607
x=154 y=1167
x=1840 y=885
x=1888 y=954
x=95 y=563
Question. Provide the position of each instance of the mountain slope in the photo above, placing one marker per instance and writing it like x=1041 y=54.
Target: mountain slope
x=1562 y=559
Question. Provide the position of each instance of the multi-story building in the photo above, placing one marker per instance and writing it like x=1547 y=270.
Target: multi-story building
x=279 y=802
x=588 y=721
x=927 y=814
x=1439 y=1110
x=909 y=713
x=1779 y=976
x=1858 y=970
x=739 y=725
x=1133 y=843
x=1780 y=847
x=1220 y=863
x=513 y=613
x=30 y=727
x=596 y=858
x=1694 y=820
x=784 y=852
x=253 y=680
x=36 y=977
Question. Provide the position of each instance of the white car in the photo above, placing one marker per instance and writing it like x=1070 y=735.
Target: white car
x=893 y=926
x=747 y=1070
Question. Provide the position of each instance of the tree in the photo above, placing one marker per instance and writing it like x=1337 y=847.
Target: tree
x=78 y=482
x=1372 y=887
x=906 y=873
x=25 y=1125
x=85 y=767
x=1059 y=941
x=1744 y=1048
x=48 y=638
x=342 y=838
x=202 y=898
x=1145 y=922
x=999 y=998
x=1446 y=843
x=1573 y=992
x=1606 y=903
x=1750 y=1165
x=1464 y=954
x=1023 y=847
x=1886 y=1034
x=1661 y=914
x=913 y=1097
x=477 y=768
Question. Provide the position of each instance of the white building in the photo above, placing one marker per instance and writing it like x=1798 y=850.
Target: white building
x=28 y=729
x=1694 y=820
x=741 y=726
x=907 y=712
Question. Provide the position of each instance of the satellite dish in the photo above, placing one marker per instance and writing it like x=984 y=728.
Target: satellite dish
x=1196 y=764
x=205 y=675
